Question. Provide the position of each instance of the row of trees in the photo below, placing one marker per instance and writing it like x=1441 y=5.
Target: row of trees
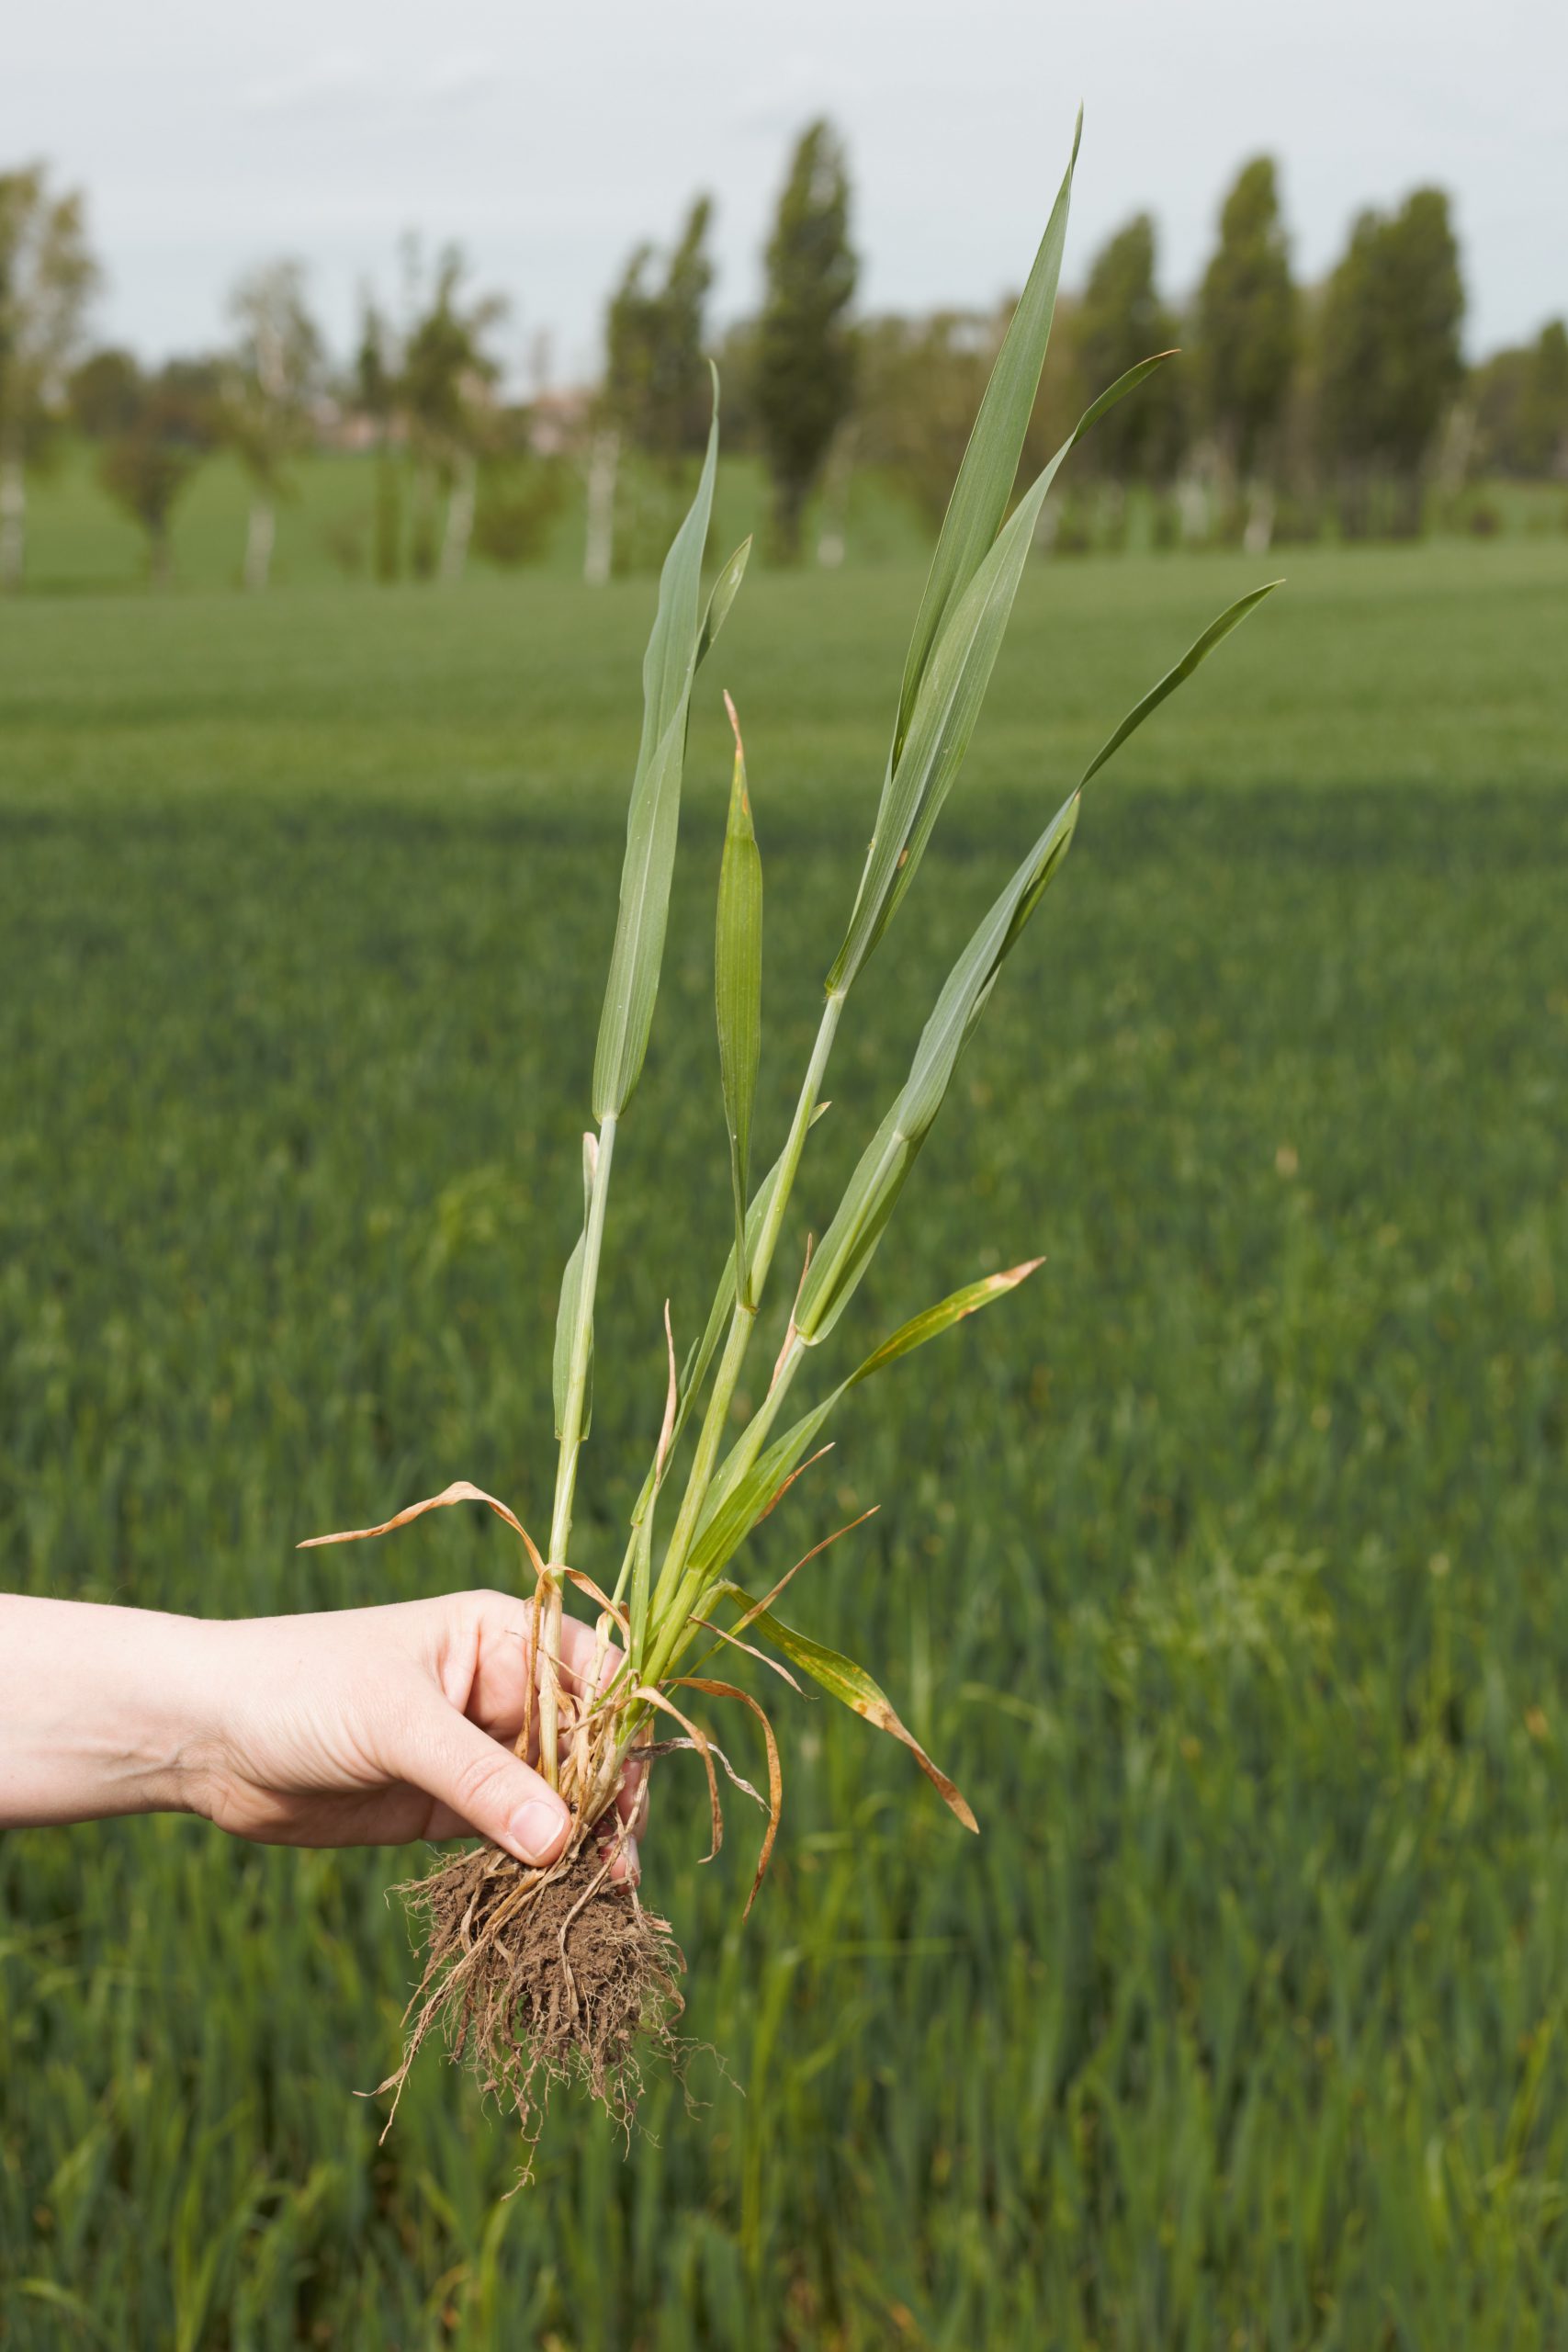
x=1352 y=394
x=790 y=375
x=422 y=390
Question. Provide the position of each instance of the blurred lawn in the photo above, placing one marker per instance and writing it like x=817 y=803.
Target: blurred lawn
x=1224 y=1566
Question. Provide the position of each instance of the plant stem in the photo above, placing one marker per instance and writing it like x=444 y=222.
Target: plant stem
x=670 y=1621
x=571 y=1447
x=767 y=1240
x=581 y=1348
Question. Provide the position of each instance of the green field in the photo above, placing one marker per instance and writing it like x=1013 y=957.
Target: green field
x=1225 y=1566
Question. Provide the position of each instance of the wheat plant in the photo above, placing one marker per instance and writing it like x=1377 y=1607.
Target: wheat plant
x=540 y=1974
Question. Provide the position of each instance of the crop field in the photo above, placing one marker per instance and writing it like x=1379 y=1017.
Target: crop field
x=1225 y=1566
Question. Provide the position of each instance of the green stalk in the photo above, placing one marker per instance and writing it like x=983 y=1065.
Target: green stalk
x=571 y=1447
x=583 y=1339
x=673 y=1581
x=767 y=1240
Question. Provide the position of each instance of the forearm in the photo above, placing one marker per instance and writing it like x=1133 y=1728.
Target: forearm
x=102 y=1711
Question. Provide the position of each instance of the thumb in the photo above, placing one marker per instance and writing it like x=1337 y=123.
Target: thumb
x=439 y=1750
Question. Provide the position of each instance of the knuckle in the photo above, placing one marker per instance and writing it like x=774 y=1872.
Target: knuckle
x=485 y=1598
x=475 y=1780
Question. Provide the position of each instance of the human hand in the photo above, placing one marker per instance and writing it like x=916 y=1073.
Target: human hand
x=359 y=1727
x=371 y=1726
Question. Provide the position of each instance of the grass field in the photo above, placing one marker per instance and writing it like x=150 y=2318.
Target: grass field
x=1225 y=1566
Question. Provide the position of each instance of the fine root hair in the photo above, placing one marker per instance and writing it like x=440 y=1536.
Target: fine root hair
x=534 y=1978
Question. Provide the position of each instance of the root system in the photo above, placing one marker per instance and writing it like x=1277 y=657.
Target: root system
x=540 y=1977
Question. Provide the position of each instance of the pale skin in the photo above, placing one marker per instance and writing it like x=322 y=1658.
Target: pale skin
x=354 y=1727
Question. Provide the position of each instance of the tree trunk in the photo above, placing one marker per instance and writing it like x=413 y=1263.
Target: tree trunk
x=1257 y=538
x=13 y=521
x=1409 y=505
x=789 y=510
x=599 y=547
x=832 y=535
x=422 y=521
x=1192 y=506
x=258 y=542
x=459 y=521
x=159 y=572
x=388 y=531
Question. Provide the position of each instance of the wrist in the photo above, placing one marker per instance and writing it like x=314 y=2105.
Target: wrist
x=103 y=1710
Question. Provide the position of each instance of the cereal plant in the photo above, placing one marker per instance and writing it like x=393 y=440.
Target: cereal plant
x=562 y=1972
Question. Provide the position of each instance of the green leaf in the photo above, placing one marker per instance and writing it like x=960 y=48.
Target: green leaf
x=738 y=991
x=653 y=818
x=737 y=1501
x=701 y=1356
x=848 y=1245
x=985 y=478
x=642 y=1552
x=1197 y=652
x=853 y=1687
x=570 y=1304
x=947 y=709
x=726 y=588
x=937 y=1319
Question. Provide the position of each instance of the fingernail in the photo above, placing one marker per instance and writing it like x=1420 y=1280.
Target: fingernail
x=536 y=1827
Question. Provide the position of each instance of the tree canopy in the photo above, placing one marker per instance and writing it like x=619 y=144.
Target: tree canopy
x=1120 y=320
x=803 y=382
x=1389 y=347
x=1245 y=321
x=656 y=386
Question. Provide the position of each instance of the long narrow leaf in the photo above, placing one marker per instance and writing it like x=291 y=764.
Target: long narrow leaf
x=735 y=1505
x=985 y=478
x=848 y=1246
x=726 y=588
x=642 y=1542
x=737 y=990
x=1199 y=651
x=737 y=1500
x=653 y=818
x=846 y=1249
x=673 y=641
x=941 y=1317
x=853 y=1687
x=700 y=1357
x=947 y=709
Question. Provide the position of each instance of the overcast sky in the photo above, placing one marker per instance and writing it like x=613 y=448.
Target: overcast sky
x=549 y=139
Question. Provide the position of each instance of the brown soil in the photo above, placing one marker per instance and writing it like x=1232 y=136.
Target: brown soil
x=539 y=1977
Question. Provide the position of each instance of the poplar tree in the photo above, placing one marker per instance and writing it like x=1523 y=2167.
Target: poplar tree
x=656 y=385
x=1246 y=322
x=1389 y=357
x=805 y=369
x=1120 y=320
x=1543 y=405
